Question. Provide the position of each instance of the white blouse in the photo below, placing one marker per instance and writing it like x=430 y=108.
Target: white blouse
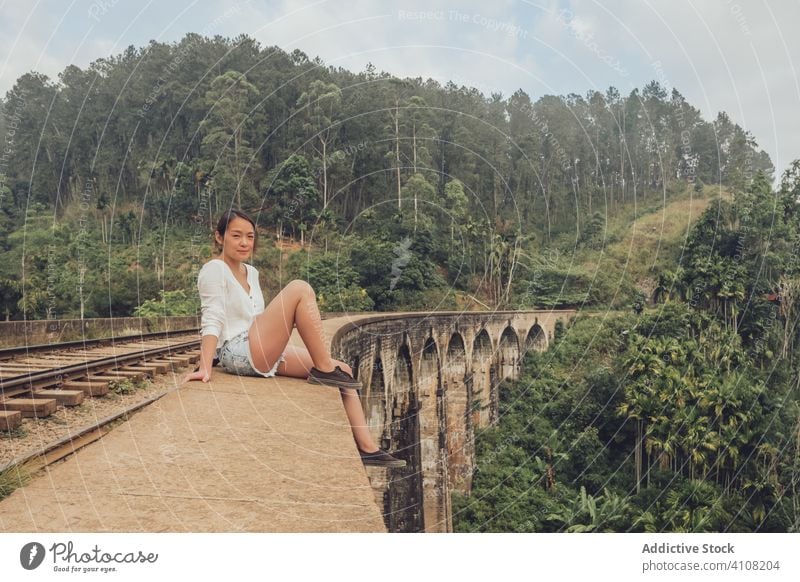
x=227 y=309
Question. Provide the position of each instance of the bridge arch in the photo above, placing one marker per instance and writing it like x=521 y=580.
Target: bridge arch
x=536 y=340
x=508 y=353
x=480 y=378
x=376 y=396
x=459 y=446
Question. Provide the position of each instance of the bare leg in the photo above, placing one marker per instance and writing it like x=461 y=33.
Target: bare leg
x=296 y=304
x=358 y=423
x=298 y=363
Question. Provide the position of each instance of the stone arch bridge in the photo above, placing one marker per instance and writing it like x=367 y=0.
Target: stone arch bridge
x=429 y=381
x=243 y=453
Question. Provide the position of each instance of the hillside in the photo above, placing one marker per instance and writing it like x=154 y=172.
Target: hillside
x=619 y=260
x=362 y=160
x=652 y=241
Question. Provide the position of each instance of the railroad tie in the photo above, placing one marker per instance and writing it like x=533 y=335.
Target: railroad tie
x=149 y=369
x=63 y=397
x=90 y=387
x=10 y=419
x=31 y=407
x=121 y=374
x=179 y=360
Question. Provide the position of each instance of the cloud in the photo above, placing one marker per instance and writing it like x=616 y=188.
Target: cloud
x=723 y=55
x=476 y=41
x=23 y=36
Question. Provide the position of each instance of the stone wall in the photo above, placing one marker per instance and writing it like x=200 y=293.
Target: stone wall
x=429 y=381
x=49 y=331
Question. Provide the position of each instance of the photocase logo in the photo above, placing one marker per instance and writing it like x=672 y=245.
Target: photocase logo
x=403 y=256
x=31 y=555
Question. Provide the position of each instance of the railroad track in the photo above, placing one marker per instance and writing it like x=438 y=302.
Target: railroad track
x=36 y=380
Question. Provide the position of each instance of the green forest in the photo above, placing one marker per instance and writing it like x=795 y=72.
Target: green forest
x=114 y=175
x=680 y=417
x=669 y=404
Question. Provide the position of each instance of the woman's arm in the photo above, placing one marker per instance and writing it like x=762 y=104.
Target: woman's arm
x=211 y=288
x=208 y=348
x=212 y=305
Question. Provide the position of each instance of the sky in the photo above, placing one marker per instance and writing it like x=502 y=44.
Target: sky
x=722 y=55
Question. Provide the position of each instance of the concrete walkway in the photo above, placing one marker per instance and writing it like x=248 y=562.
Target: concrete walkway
x=236 y=454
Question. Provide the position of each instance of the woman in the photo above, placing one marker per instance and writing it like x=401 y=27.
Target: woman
x=252 y=336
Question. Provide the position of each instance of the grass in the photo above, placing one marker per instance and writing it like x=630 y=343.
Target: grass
x=14 y=478
x=127 y=386
x=17 y=433
x=650 y=240
x=52 y=419
x=622 y=263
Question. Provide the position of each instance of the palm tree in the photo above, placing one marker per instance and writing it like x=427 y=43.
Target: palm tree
x=639 y=405
x=609 y=513
x=698 y=441
x=693 y=507
x=669 y=284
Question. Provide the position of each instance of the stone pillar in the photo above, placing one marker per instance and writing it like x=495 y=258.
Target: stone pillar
x=458 y=432
x=404 y=496
x=431 y=429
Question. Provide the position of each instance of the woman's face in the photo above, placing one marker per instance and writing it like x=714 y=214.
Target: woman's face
x=237 y=244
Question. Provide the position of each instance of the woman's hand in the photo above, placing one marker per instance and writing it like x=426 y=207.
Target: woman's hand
x=199 y=374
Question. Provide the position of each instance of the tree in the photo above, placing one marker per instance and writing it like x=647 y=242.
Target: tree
x=169 y=304
x=416 y=188
x=417 y=119
x=456 y=251
x=396 y=90
x=502 y=258
x=608 y=513
x=320 y=106
x=230 y=114
x=295 y=195
x=9 y=297
x=669 y=284
x=336 y=284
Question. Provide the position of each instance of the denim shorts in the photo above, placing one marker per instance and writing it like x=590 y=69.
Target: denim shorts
x=235 y=358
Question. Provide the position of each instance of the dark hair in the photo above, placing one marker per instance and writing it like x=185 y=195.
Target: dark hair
x=225 y=219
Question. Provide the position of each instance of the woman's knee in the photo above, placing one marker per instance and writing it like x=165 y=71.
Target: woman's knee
x=300 y=286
